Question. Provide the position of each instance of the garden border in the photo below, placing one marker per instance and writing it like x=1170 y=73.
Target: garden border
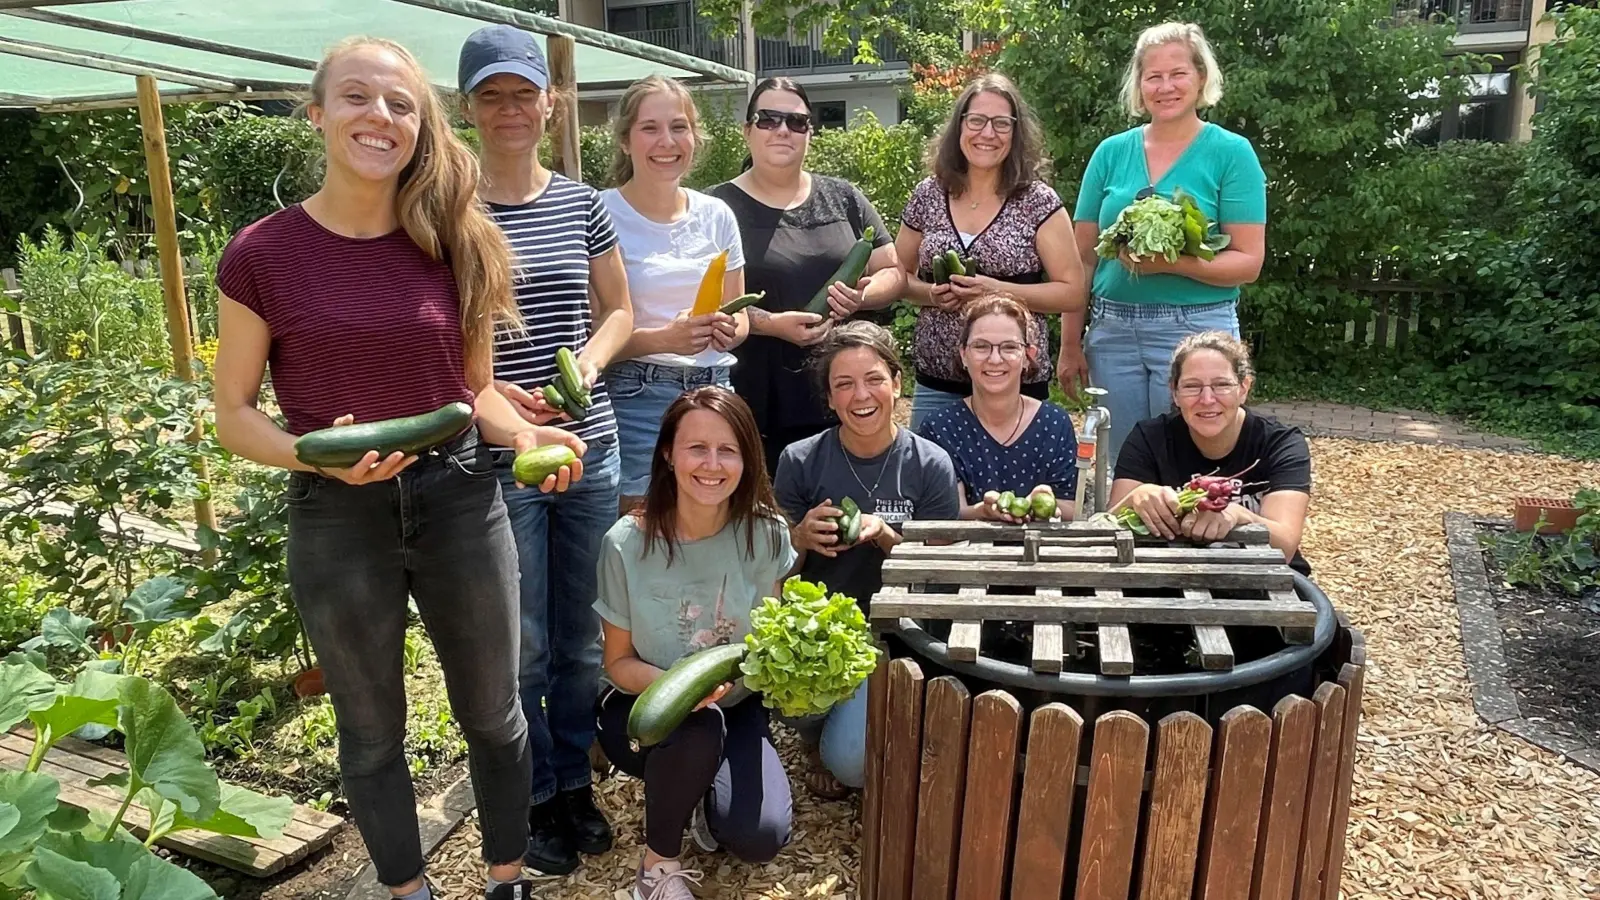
x=1492 y=695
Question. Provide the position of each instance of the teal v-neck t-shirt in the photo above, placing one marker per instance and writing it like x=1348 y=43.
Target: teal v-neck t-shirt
x=1219 y=169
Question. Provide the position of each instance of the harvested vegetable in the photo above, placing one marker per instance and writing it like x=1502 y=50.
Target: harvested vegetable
x=848 y=273
x=807 y=651
x=1155 y=226
x=663 y=706
x=1211 y=492
x=709 y=297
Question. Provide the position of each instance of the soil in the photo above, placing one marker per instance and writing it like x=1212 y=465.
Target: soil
x=1551 y=642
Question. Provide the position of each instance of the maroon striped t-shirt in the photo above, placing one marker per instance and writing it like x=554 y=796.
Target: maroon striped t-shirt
x=365 y=326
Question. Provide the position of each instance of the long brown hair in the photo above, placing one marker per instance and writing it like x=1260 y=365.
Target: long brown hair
x=628 y=116
x=437 y=205
x=1025 y=162
x=752 y=499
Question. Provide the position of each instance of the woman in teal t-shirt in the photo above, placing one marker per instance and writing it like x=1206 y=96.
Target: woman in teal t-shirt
x=1141 y=311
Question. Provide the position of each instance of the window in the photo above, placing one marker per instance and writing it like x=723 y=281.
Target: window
x=657 y=17
x=1483 y=115
x=830 y=114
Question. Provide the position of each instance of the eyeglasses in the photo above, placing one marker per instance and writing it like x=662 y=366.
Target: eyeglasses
x=975 y=122
x=1008 y=349
x=770 y=119
x=1219 y=389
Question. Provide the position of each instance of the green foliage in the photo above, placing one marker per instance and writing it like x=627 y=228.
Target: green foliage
x=30 y=183
x=884 y=161
x=82 y=304
x=807 y=651
x=248 y=155
x=721 y=157
x=928 y=30
x=23 y=604
x=1566 y=562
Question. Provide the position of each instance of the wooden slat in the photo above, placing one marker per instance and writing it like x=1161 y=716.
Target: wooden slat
x=1302 y=634
x=902 y=749
x=872 y=795
x=1047 y=650
x=990 y=795
x=1216 y=651
x=1044 y=819
x=1294 y=726
x=1233 y=809
x=1088 y=575
x=965 y=636
x=1091 y=610
x=1116 y=650
x=14 y=329
x=1125 y=548
x=1030 y=547
x=1381 y=340
x=1402 y=325
x=1111 y=812
x=1096 y=553
x=1353 y=678
x=974 y=530
x=945 y=726
x=1177 y=800
x=1330 y=698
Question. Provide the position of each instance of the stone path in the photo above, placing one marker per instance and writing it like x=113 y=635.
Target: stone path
x=1360 y=423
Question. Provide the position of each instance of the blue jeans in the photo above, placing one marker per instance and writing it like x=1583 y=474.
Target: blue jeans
x=841 y=737
x=1130 y=348
x=558 y=674
x=640 y=394
x=927 y=402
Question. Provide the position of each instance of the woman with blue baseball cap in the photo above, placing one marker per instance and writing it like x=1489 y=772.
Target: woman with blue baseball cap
x=564 y=251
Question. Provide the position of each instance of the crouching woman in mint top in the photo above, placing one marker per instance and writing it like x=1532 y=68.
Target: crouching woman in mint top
x=892 y=474
x=1142 y=310
x=680 y=576
x=374 y=299
x=573 y=293
x=1213 y=431
x=670 y=235
x=999 y=439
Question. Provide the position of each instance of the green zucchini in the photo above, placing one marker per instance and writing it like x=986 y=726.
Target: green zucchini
x=558 y=398
x=532 y=467
x=671 y=698
x=741 y=302
x=1044 y=506
x=1020 y=507
x=849 y=522
x=849 y=272
x=554 y=397
x=1006 y=499
x=571 y=376
x=941 y=270
x=343 y=446
x=953 y=261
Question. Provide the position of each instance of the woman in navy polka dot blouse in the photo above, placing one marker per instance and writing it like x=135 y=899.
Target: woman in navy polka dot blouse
x=999 y=439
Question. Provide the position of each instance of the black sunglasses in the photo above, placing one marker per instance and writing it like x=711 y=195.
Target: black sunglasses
x=770 y=119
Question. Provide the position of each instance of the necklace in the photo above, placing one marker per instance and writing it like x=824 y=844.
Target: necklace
x=1021 y=410
x=882 y=467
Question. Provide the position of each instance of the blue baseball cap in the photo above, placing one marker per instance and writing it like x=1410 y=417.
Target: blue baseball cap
x=501 y=49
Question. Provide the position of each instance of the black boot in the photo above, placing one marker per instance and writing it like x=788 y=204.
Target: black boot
x=550 y=850
x=587 y=825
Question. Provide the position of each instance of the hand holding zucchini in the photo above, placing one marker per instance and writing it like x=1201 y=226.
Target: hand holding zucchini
x=532 y=467
x=849 y=523
x=1038 y=506
x=741 y=302
x=848 y=273
x=342 y=446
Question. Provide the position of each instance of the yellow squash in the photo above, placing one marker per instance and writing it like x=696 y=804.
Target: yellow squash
x=709 y=297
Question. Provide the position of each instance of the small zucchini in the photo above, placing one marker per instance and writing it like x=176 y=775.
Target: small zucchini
x=742 y=301
x=1044 y=506
x=532 y=467
x=554 y=397
x=671 y=698
x=571 y=376
x=849 y=522
x=953 y=262
x=941 y=270
x=849 y=272
x=343 y=446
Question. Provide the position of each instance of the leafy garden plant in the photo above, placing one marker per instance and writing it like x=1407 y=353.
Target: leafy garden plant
x=808 y=651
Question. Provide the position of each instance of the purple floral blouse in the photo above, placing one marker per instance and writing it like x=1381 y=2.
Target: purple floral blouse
x=1006 y=250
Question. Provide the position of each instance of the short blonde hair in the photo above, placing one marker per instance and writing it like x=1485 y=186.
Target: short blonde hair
x=1205 y=61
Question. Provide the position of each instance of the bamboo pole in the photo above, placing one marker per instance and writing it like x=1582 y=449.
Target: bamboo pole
x=172 y=290
x=565 y=155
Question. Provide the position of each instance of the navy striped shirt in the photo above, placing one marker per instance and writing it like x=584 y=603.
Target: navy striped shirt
x=552 y=241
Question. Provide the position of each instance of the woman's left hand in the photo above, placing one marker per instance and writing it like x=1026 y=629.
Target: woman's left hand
x=1207 y=526
x=872 y=528
x=545 y=435
x=724 y=331
x=716 y=694
x=844 y=301
x=971 y=287
x=588 y=371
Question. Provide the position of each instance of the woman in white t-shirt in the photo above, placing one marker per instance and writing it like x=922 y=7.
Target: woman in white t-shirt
x=670 y=236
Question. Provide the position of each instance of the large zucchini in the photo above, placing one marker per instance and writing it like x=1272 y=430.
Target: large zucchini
x=849 y=272
x=669 y=699
x=343 y=446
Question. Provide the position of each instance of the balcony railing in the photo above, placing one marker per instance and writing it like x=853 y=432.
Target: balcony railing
x=803 y=54
x=1470 y=15
x=695 y=41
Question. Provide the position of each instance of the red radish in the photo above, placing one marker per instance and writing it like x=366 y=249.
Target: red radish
x=1211 y=493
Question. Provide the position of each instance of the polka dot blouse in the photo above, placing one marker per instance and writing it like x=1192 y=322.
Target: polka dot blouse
x=1046 y=453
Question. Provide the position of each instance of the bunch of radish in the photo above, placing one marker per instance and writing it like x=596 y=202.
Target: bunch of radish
x=1211 y=493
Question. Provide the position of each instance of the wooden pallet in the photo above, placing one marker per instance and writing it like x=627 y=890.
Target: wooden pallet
x=75 y=763
x=1062 y=575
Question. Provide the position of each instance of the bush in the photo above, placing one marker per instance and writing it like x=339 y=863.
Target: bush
x=884 y=161
x=245 y=159
x=83 y=305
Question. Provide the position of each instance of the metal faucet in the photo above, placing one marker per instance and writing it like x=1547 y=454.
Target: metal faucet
x=1096 y=437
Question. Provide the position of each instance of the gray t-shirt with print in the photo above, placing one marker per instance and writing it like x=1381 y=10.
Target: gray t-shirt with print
x=913 y=479
x=703 y=599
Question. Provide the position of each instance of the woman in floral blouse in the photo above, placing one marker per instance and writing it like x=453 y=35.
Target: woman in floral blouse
x=988 y=201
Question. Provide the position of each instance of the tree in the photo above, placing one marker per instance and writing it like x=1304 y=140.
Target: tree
x=928 y=30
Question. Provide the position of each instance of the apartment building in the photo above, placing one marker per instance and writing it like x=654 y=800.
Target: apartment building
x=838 y=86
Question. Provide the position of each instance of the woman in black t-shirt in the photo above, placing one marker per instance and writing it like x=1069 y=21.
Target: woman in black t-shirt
x=796 y=228
x=1213 y=431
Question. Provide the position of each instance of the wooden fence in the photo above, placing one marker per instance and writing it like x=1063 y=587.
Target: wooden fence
x=22 y=334
x=967 y=799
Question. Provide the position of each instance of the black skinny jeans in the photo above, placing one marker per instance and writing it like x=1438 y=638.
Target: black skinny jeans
x=439 y=533
x=723 y=757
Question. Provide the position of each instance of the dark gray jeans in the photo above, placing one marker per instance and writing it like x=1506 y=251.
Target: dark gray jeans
x=439 y=533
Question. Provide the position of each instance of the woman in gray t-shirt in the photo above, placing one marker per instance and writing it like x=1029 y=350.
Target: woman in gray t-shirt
x=681 y=575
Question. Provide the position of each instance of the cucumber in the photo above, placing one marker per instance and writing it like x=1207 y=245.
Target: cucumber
x=532 y=467
x=576 y=409
x=953 y=261
x=1006 y=499
x=941 y=270
x=742 y=301
x=343 y=446
x=849 y=272
x=669 y=699
x=1044 y=506
x=849 y=522
x=554 y=397
x=1020 y=507
x=571 y=376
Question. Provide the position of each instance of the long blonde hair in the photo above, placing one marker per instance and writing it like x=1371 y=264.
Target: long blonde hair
x=437 y=205
x=628 y=116
x=1200 y=53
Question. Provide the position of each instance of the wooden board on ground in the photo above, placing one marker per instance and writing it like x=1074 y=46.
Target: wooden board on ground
x=75 y=763
x=973 y=530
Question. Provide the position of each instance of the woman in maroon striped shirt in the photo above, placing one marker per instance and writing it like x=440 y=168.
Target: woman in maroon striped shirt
x=377 y=298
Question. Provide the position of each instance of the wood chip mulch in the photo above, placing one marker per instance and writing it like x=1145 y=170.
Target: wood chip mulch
x=1445 y=806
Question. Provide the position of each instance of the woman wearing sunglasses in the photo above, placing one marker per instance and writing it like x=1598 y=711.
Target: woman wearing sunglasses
x=797 y=228
x=1213 y=431
x=1143 y=310
x=987 y=200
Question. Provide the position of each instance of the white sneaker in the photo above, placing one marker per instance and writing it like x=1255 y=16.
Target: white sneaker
x=700 y=829
x=669 y=880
